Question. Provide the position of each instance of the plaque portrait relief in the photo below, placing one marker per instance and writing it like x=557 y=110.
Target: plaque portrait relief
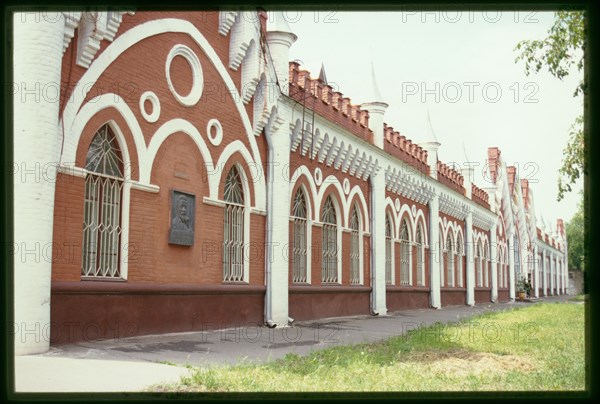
x=183 y=208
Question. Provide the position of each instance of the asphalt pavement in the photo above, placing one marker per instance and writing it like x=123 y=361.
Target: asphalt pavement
x=133 y=364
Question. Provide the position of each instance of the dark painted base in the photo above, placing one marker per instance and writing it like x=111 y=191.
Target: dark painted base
x=403 y=298
x=85 y=311
x=483 y=295
x=313 y=302
x=503 y=295
x=453 y=296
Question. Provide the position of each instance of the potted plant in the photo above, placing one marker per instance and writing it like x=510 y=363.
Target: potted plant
x=521 y=287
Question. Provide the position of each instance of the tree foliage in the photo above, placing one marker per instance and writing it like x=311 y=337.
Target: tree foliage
x=575 y=237
x=561 y=51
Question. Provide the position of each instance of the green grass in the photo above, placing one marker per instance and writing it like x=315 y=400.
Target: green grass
x=540 y=347
x=578 y=298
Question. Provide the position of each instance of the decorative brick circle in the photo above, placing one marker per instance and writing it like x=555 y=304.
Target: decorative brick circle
x=217 y=138
x=197 y=76
x=318 y=176
x=155 y=102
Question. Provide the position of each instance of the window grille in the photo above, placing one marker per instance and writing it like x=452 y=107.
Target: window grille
x=329 y=259
x=404 y=254
x=388 y=250
x=355 y=248
x=450 y=261
x=420 y=257
x=299 y=272
x=102 y=207
x=459 y=262
x=233 y=229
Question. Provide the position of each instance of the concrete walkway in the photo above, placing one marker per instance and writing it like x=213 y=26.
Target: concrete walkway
x=132 y=364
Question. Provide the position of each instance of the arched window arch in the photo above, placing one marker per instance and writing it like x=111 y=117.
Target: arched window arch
x=404 y=253
x=355 y=246
x=486 y=265
x=420 y=255
x=499 y=266
x=449 y=259
x=102 y=207
x=459 y=260
x=478 y=260
x=517 y=253
x=329 y=261
x=300 y=241
x=233 y=231
x=389 y=255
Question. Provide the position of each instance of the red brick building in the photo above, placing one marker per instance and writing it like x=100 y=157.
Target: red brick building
x=203 y=179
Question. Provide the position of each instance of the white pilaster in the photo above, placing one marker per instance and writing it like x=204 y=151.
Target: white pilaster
x=435 y=253
x=470 y=259
x=278 y=214
x=432 y=148
x=511 y=266
x=376 y=113
x=494 y=262
x=536 y=273
x=544 y=272
x=378 y=298
x=37 y=57
x=280 y=38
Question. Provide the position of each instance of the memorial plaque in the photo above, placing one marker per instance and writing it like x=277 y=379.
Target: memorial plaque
x=183 y=212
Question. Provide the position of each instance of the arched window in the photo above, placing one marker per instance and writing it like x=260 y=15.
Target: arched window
x=404 y=254
x=459 y=261
x=486 y=265
x=449 y=260
x=233 y=232
x=478 y=260
x=329 y=260
x=102 y=207
x=420 y=256
x=499 y=269
x=355 y=247
x=517 y=254
x=300 y=215
x=388 y=250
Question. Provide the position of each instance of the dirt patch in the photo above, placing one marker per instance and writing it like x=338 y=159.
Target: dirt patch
x=460 y=362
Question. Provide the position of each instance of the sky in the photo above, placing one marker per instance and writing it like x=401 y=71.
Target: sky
x=459 y=68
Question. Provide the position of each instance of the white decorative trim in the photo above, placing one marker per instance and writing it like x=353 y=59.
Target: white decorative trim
x=73 y=171
x=197 y=75
x=226 y=20
x=73 y=111
x=258 y=211
x=213 y=202
x=71 y=22
x=154 y=115
x=397 y=204
x=154 y=189
x=346 y=186
x=218 y=136
x=318 y=176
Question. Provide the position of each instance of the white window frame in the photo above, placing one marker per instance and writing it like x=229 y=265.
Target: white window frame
x=356 y=237
x=420 y=255
x=245 y=226
x=405 y=244
x=390 y=245
x=338 y=229
x=308 y=235
x=123 y=256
